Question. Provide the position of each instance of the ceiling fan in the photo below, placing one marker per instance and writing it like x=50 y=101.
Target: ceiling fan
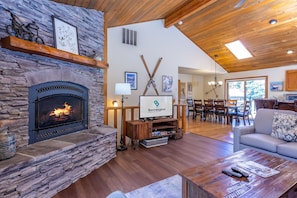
x=239 y=4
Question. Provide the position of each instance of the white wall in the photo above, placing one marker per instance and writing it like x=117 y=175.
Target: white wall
x=154 y=41
x=197 y=84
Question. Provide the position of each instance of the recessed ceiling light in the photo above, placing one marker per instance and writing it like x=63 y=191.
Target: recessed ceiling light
x=180 y=22
x=238 y=49
x=272 y=21
x=290 y=52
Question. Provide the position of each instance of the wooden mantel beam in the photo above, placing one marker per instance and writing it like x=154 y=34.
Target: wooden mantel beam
x=186 y=11
x=17 y=44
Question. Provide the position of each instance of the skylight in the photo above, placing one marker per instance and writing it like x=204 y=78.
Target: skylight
x=238 y=49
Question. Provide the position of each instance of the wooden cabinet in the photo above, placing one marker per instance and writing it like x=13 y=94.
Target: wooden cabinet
x=140 y=130
x=137 y=130
x=291 y=80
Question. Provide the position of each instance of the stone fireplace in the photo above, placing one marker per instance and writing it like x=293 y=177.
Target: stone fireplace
x=54 y=108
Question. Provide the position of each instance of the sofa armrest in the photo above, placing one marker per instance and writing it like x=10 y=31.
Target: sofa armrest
x=238 y=131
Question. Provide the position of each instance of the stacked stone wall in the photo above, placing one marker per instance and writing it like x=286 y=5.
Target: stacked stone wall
x=19 y=71
x=45 y=168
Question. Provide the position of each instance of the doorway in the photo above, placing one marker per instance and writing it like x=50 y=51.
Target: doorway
x=247 y=89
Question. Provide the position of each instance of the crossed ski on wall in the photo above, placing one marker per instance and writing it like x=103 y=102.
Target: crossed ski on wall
x=151 y=80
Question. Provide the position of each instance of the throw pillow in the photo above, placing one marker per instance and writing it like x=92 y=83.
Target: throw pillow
x=284 y=126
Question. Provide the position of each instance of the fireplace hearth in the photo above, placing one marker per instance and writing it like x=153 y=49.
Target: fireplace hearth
x=56 y=108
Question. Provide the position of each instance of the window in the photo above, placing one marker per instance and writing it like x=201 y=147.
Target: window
x=247 y=89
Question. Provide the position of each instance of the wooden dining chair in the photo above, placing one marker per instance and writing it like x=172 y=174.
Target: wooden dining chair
x=220 y=110
x=245 y=112
x=198 y=108
x=190 y=107
x=208 y=109
x=231 y=110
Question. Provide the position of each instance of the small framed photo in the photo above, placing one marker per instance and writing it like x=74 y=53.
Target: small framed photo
x=131 y=78
x=65 y=36
x=167 y=83
x=276 y=86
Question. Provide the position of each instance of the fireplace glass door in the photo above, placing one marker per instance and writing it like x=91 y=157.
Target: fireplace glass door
x=56 y=108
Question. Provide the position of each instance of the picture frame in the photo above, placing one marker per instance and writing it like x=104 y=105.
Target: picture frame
x=167 y=82
x=65 y=36
x=131 y=78
x=276 y=86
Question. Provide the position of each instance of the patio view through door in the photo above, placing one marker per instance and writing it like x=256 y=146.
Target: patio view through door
x=247 y=89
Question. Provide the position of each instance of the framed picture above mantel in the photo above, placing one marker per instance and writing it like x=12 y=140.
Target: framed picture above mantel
x=65 y=36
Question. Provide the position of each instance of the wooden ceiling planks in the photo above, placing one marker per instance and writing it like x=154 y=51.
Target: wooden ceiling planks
x=212 y=23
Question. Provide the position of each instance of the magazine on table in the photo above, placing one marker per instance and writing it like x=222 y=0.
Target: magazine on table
x=258 y=169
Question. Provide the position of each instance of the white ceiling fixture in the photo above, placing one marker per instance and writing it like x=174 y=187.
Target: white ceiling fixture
x=238 y=50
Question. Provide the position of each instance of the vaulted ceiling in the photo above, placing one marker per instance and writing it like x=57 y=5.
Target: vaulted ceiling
x=210 y=24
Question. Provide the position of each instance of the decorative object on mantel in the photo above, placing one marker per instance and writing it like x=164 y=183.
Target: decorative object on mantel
x=122 y=89
x=27 y=32
x=151 y=80
x=7 y=144
x=65 y=36
x=21 y=45
x=96 y=55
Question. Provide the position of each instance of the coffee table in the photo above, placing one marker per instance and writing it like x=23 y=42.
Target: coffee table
x=209 y=181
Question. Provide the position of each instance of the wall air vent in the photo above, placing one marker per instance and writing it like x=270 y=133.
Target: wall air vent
x=129 y=37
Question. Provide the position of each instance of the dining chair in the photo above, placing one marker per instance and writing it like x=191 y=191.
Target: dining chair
x=245 y=112
x=190 y=107
x=231 y=110
x=198 y=108
x=208 y=109
x=220 y=110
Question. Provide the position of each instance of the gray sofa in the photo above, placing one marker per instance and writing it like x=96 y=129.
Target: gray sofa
x=258 y=136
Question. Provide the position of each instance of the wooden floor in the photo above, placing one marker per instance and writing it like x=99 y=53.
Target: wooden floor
x=133 y=169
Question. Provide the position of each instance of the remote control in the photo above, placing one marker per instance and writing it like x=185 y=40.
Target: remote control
x=239 y=170
x=231 y=173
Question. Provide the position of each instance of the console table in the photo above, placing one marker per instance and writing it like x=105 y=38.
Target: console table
x=209 y=181
x=141 y=130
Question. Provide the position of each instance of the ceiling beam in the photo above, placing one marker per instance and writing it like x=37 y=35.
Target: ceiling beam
x=187 y=10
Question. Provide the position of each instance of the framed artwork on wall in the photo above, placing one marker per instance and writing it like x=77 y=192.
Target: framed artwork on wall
x=65 y=36
x=167 y=83
x=276 y=86
x=131 y=78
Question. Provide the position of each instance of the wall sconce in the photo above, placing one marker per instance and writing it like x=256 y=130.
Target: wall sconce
x=115 y=103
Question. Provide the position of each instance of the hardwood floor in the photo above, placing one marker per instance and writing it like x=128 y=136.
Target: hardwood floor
x=133 y=169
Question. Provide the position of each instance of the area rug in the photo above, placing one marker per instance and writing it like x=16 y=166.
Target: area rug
x=170 y=187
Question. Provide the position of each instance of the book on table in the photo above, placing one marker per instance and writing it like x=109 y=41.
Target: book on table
x=258 y=169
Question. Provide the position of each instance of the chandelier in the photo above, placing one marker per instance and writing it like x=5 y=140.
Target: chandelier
x=215 y=82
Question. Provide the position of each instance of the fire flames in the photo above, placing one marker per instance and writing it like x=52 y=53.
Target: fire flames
x=59 y=112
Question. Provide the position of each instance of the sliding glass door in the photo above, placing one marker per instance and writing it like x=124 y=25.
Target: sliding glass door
x=246 y=89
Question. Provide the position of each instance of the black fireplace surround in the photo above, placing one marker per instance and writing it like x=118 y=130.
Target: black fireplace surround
x=56 y=108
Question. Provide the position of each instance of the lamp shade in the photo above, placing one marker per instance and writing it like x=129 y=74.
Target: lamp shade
x=122 y=89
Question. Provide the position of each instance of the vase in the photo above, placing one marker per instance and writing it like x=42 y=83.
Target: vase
x=7 y=145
